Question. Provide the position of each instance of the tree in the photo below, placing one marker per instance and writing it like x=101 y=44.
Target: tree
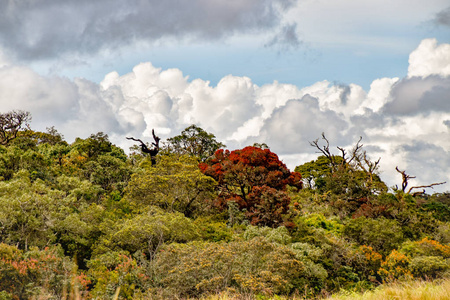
x=352 y=173
x=149 y=231
x=110 y=172
x=174 y=184
x=194 y=141
x=93 y=146
x=11 y=123
x=255 y=179
x=313 y=172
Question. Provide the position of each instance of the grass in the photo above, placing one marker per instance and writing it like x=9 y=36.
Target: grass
x=414 y=290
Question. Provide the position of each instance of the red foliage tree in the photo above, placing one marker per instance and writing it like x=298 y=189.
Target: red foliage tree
x=255 y=179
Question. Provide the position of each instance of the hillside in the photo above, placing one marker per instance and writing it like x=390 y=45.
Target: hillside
x=86 y=220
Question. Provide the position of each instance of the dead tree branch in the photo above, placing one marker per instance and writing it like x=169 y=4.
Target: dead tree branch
x=423 y=187
x=325 y=150
x=153 y=151
x=405 y=178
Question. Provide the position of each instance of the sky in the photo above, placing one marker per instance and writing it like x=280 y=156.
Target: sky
x=278 y=72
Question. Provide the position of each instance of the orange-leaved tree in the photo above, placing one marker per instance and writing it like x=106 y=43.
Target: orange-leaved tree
x=256 y=180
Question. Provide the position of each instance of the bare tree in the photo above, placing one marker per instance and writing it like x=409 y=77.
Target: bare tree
x=350 y=161
x=325 y=150
x=356 y=156
x=11 y=123
x=153 y=151
x=406 y=177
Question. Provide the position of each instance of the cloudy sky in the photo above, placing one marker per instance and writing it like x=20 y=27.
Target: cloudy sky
x=279 y=72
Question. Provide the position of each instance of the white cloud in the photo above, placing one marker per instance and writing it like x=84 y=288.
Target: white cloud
x=378 y=95
x=292 y=126
x=403 y=121
x=430 y=59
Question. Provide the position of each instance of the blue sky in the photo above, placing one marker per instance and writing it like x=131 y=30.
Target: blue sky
x=274 y=71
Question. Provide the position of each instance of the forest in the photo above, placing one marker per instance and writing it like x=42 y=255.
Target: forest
x=186 y=219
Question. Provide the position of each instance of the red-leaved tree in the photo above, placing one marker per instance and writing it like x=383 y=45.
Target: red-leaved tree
x=256 y=180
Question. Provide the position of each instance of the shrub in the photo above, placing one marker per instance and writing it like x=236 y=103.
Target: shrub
x=257 y=266
x=395 y=266
x=429 y=266
x=23 y=274
x=382 y=234
x=279 y=235
x=114 y=272
x=318 y=220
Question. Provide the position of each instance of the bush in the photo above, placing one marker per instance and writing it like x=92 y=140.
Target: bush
x=382 y=234
x=256 y=266
x=23 y=274
x=213 y=231
x=429 y=266
x=149 y=231
x=117 y=273
x=318 y=220
x=426 y=247
x=278 y=235
x=395 y=266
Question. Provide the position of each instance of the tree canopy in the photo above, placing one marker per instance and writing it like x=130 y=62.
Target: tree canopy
x=194 y=141
x=255 y=179
x=11 y=123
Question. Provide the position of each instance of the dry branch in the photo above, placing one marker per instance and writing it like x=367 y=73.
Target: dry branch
x=145 y=149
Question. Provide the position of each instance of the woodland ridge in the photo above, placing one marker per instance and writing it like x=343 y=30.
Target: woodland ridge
x=185 y=218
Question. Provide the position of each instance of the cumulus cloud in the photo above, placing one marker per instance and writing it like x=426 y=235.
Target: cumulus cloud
x=418 y=95
x=403 y=121
x=430 y=59
x=47 y=29
x=74 y=107
x=290 y=127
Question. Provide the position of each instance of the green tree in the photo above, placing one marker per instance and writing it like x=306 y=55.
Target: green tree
x=29 y=211
x=11 y=123
x=93 y=146
x=109 y=172
x=174 y=184
x=314 y=172
x=194 y=141
x=382 y=234
x=149 y=231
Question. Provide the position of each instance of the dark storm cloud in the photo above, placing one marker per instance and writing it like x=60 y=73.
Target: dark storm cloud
x=35 y=29
x=443 y=17
x=418 y=95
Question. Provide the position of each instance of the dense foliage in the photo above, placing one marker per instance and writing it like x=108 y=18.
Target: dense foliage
x=256 y=180
x=85 y=220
